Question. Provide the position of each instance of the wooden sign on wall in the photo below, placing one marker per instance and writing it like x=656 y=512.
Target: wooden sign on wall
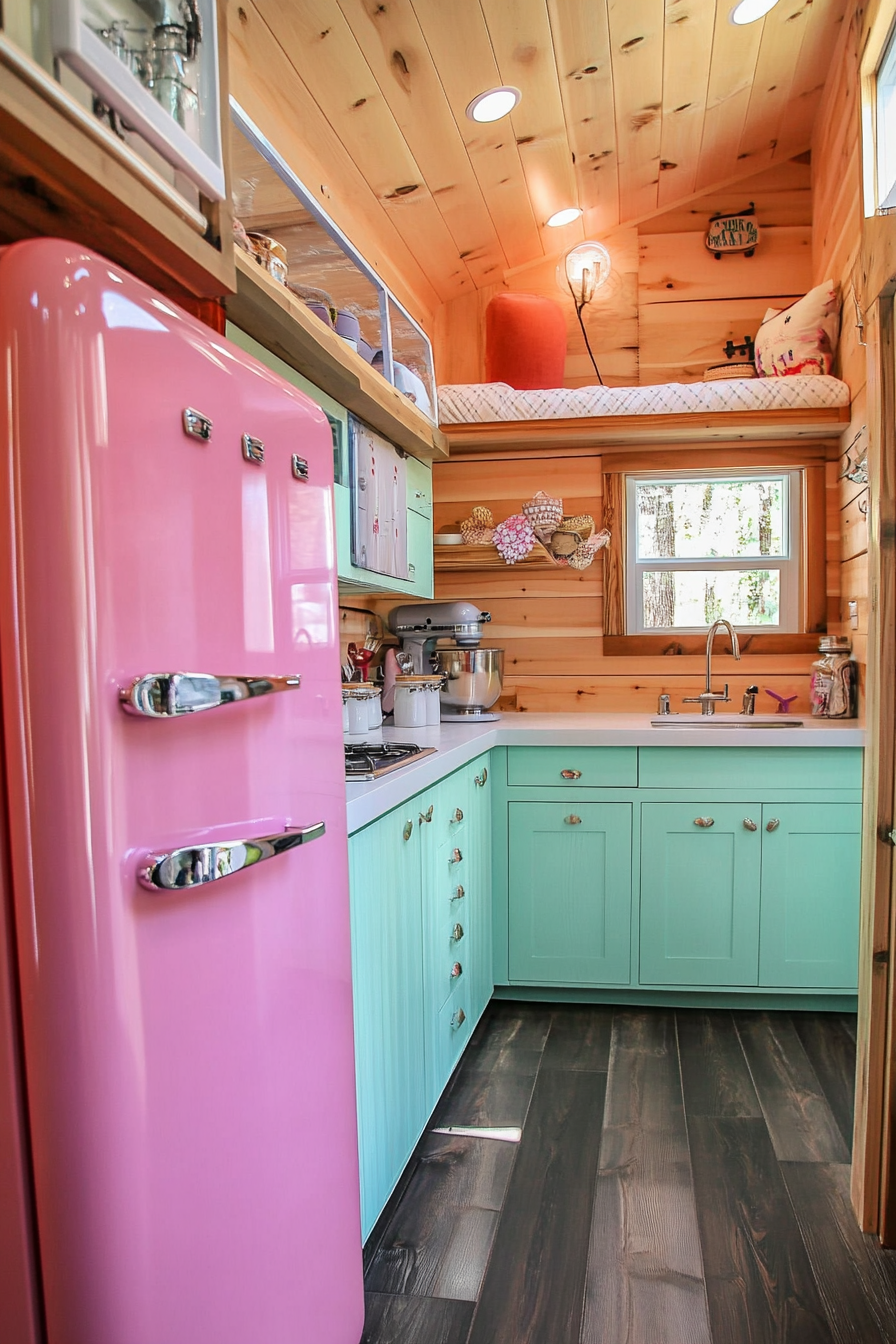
x=733 y=233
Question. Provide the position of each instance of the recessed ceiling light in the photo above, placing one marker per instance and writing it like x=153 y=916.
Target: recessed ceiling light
x=748 y=11
x=493 y=104
x=562 y=217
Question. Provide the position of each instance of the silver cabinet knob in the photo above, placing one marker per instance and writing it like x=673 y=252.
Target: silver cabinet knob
x=573 y=820
x=168 y=695
x=750 y=825
x=456 y=971
x=570 y=774
x=479 y=780
x=704 y=821
x=458 y=815
x=457 y=933
x=456 y=856
x=773 y=824
x=197 y=425
x=459 y=894
x=427 y=815
x=408 y=830
x=458 y=1019
x=197 y=865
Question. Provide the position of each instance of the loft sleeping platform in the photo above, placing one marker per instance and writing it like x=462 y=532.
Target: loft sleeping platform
x=487 y=415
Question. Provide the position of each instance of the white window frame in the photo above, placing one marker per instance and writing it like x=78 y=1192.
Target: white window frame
x=878 y=39
x=789 y=563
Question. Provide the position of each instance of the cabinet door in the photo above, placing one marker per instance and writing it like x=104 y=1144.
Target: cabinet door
x=811 y=855
x=700 y=865
x=388 y=997
x=482 y=981
x=570 y=883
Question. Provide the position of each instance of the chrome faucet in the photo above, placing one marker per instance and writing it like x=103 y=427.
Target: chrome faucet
x=707 y=699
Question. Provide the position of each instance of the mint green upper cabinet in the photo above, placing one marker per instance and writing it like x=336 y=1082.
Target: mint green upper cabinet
x=387 y=976
x=570 y=883
x=700 y=868
x=419 y=492
x=810 y=894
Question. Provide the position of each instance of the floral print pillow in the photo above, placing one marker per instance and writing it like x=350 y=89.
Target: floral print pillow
x=801 y=338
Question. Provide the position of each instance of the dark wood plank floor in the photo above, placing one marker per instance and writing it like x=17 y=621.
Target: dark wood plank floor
x=682 y=1178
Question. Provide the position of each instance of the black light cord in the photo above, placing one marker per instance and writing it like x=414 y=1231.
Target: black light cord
x=579 y=307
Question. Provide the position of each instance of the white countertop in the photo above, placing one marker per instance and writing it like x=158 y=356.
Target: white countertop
x=458 y=743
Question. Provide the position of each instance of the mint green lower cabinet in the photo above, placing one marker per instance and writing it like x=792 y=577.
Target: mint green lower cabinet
x=570 y=884
x=810 y=894
x=700 y=871
x=387 y=975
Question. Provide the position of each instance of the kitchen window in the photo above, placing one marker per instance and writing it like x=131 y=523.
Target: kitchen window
x=885 y=127
x=706 y=545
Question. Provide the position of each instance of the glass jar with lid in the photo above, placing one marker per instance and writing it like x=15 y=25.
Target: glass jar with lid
x=834 y=685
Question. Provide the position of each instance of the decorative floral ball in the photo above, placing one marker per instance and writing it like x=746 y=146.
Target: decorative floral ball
x=514 y=538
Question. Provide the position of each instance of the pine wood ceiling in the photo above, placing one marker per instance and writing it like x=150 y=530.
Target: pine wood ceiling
x=629 y=108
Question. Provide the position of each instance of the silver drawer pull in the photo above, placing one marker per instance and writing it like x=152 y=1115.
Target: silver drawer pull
x=479 y=780
x=773 y=824
x=459 y=894
x=750 y=825
x=457 y=933
x=458 y=815
x=167 y=695
x=408 y=830
x=300 y=467
x=456 y=971
x=570 y=774
x=197 y=425
x=427 y=815
x=197 y=865
x=573 y=820
x=456 y=856
x=458 y=1019
x=704 y=821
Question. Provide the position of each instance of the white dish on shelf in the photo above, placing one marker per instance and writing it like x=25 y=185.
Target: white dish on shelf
x=448 y=539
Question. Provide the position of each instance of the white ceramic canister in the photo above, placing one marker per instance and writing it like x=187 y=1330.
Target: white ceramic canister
x=410 y=702
x=375 y=707
x=354 y=697
x=433 y=702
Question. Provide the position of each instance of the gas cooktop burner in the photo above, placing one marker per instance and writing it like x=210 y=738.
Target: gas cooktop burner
x=369 y=760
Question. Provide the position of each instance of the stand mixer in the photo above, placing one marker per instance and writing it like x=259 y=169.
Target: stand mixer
x=473 y=675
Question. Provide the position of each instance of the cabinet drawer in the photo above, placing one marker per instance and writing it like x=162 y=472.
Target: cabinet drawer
x=751 y=768
x=454 y=1030
x=573 y=767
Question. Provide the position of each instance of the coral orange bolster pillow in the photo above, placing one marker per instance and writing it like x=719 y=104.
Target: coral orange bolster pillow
x=525 y=341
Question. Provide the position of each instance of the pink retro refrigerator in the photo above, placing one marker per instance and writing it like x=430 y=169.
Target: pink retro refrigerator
x=177 y=1107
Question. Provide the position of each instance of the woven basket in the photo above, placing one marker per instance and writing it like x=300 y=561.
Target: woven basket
x=544 y=513
x=721 y=372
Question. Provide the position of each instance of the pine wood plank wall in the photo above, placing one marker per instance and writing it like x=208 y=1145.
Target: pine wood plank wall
x=550 y=624
x=669 y=308
x=837 y=193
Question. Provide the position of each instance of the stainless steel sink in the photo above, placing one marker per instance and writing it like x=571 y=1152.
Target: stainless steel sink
x=720 y=721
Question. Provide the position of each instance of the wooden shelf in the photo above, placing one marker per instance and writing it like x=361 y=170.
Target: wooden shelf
x=487 y=557
x=687 y=428
x=270 y=313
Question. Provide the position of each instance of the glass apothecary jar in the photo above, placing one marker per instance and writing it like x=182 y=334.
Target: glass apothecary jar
x=834 y=693
x=155 y=64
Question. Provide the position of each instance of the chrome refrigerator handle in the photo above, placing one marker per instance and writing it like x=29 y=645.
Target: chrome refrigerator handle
x=196 y=865
x=167 y=695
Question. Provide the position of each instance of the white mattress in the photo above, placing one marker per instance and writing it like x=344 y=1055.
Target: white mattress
x=477 y=403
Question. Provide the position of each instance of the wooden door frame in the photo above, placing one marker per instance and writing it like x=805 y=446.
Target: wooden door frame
x=871 y=1173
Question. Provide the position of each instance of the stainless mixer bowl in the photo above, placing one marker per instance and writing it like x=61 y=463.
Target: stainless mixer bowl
x=473 y=678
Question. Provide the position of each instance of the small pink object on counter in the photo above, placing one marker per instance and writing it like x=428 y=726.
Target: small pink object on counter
x=390 y=672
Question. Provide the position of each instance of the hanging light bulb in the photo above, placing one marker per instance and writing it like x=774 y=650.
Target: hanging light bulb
x=581 y=272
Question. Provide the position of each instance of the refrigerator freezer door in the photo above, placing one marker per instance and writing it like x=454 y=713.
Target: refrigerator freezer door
x=188 y=1053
